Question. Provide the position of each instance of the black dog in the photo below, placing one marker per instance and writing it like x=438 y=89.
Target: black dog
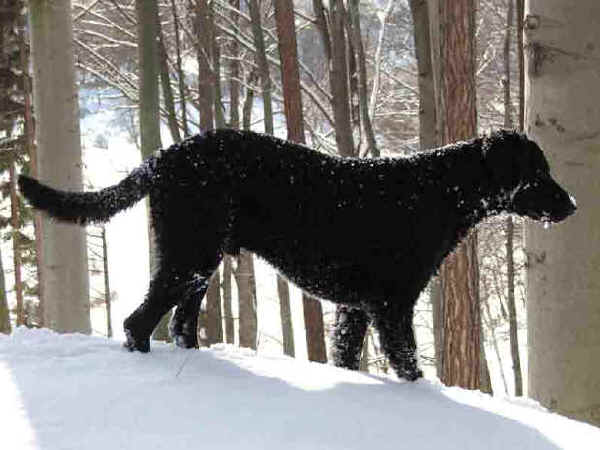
x=368 y=233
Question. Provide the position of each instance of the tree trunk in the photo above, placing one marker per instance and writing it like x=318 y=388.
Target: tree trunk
x=107 y=294
x=365 y=118
x=562 y=113
x=214 y=316
x=292 y=102
x=149 y=113
x=332 y=31
x=234 y=70
x=204 y=32
x=290 y=75
x=180 y=73
x=227 y=294
x=15 y=224
x=510 y=266
x=460 y=278
x=29 y=132
x=263 y=65
x=165 y=81
x=246 y=282
x=244 y=272
x=5 y=326
x=427 y=139
x=65 y=267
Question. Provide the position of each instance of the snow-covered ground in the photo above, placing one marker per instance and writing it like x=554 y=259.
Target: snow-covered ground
x=80 y=392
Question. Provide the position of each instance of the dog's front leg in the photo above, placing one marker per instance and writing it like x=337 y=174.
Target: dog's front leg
x=398 y=341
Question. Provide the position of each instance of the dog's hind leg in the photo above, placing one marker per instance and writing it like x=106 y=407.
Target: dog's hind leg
x=164 y=292
x=348 y=336
x=184 y=323
x=395 y=327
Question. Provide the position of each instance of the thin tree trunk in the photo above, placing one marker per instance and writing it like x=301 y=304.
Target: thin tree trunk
x=107 y=294
x=290 y=74
x=167 y=91
x=203 y=30
x=149 y=114
x=180 y=73
x=365 y=117
x=244 y=272
x=227 y=294
x=562 y=114
x=29 y=131
x=428 y=139
x=263 y=65
x=15 y=223
x=234 y=122
x=285 y=314
x=510 y=266
x=214 y=317
x=490 y=325
x=65 y=267
x=286 y=33
x=246 y=282
x=5 y=326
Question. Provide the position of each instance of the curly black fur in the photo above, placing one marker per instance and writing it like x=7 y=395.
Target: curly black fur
x=368 y=233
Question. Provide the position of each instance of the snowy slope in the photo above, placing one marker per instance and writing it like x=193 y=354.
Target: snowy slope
x=81 y=392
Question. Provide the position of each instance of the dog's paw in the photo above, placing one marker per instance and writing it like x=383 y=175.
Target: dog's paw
x=185 y=340
x=411 y=374
x=136 y=344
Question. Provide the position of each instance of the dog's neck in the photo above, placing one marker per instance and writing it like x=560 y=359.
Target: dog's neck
x=469 y=185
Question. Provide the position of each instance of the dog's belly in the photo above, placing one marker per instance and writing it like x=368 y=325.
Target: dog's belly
x=328 y=277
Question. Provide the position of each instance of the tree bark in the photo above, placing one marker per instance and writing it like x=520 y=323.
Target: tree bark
x=263 y=65
x=180 y=73
x=427 y=139
x=234 y=70
x=365 y=118
x=214 y=316
x=165 y=81
x=29 y=132
x=149 y=113
x=246 y=282
x=460 y=278
x=204 y=32
x=244 y=272
x=562 y=114
x=65 y=267
x=5 y=326
x=107 y=293
x=510 y=263
x=332 y=32
x=227 y=294
x=15 y=224
x=290 y=75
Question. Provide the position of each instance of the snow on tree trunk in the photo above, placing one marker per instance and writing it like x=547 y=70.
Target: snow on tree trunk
x=562 y=113
x=65 y=267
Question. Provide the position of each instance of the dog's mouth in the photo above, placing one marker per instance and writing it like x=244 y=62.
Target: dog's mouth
x=548 y=204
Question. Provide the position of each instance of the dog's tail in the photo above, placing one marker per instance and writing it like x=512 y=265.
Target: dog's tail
x=89 y=207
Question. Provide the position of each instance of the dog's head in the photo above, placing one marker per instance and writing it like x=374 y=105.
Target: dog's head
x=518 y=166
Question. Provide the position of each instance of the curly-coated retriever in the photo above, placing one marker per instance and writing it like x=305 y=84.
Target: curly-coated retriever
x=367 y=233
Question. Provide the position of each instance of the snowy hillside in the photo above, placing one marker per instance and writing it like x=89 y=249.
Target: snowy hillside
x=80 y=392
